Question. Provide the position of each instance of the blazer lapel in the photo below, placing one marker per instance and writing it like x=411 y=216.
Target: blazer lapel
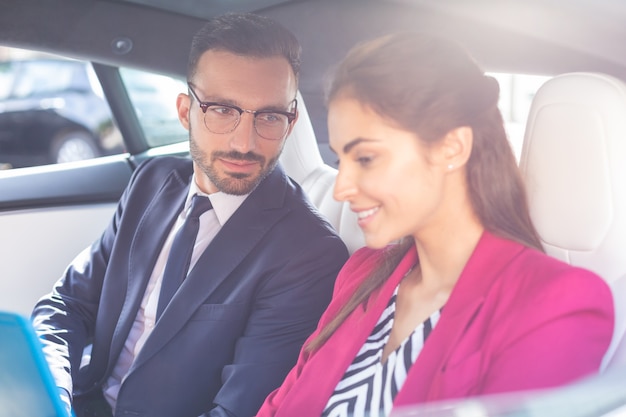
x=238 y=237
x=329 y=364
x=490 y=256
x=147 y=242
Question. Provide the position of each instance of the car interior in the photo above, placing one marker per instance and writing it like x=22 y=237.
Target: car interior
x=573 y=154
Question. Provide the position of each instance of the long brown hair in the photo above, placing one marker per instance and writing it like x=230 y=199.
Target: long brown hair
x=430 y=86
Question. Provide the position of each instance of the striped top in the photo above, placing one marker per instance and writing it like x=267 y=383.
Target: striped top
x=369 y=386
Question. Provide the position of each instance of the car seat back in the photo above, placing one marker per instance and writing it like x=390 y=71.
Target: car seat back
x=303 y=162
x=574 y=164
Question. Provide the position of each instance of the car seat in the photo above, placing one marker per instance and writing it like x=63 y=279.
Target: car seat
x=574 y=164
x=303 y=162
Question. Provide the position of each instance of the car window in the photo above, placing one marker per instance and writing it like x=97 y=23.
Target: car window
x=7 y=74
x=53 y=110
x=48 y=119
x=33 y=78
x=154 y=99
x=516 y=94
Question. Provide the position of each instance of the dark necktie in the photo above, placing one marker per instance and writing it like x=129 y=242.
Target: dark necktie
x=180 y=254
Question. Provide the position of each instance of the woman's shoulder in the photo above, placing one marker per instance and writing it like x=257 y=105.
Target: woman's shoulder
x=546 y=275
x=522 y=260
x=540 y=263
x=362 y=255
x=358 y=266
x=523 y=276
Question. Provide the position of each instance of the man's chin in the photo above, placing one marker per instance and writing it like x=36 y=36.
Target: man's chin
x=241 y=176
x=238 y=184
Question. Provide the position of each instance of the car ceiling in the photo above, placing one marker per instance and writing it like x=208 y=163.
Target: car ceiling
x=537 y=36
x=531 y=36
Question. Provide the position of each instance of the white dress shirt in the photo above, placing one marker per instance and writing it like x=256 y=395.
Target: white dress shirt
x=224 y=205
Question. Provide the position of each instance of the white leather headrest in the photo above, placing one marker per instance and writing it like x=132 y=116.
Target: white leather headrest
x=301 y=155
x=574 y=165
x=303 y=162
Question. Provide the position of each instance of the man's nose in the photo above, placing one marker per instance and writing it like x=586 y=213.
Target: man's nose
x=244 y=136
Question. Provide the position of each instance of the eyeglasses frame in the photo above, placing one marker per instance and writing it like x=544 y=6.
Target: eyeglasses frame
x=204 y=106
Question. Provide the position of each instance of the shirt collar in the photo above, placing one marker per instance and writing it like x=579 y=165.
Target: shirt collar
x=224 y=205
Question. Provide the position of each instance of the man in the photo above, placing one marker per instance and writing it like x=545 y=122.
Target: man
x=261 y=272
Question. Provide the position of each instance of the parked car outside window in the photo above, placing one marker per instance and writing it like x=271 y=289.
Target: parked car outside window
x=53 y=111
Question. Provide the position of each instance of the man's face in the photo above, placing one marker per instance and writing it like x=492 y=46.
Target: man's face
x=235 y=162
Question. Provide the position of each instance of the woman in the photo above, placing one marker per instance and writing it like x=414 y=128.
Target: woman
x=453 y=296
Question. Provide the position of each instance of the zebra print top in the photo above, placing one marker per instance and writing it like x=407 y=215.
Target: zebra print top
x=369 y=387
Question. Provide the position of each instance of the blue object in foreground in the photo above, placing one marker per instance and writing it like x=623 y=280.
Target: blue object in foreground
x=27 y=388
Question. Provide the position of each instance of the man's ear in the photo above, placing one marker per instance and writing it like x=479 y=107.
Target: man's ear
x=183 y=102
x=457 y=147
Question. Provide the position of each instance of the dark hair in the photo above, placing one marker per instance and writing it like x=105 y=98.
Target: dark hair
x=245 y=34
x=430 y=86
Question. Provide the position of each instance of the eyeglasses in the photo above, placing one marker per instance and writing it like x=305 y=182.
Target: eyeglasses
x=224 y=118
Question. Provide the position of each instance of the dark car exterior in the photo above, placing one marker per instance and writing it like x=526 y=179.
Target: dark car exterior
x=52 y=110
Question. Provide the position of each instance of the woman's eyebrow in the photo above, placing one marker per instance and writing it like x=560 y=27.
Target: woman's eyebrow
x=348 y=146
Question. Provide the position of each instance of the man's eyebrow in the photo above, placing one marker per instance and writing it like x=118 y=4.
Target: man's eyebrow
x=268 y=108
x=274 y=108
x=279 y=107
x=219 y=100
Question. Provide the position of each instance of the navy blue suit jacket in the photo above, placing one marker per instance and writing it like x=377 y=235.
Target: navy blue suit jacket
x=234 y=329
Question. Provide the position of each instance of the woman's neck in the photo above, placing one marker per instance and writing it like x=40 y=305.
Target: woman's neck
x=444 y=250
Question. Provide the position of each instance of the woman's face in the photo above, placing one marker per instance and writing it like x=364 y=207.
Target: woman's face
x=386 y=174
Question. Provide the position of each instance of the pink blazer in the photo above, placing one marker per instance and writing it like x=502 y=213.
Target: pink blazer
x=517 y=319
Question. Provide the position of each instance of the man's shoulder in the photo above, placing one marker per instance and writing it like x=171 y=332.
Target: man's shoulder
x=304 y=210
x=165 y=164
x=153 y=172
x=279 y=191
x=300 y=223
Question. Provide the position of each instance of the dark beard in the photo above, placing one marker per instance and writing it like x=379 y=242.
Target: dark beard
x=232 y=183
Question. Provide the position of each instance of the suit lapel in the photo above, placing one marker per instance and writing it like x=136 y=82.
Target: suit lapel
x=146 y=246
x=490 y=256
x=238 y=237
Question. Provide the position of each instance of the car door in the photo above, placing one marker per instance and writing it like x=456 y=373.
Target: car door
x=50 y=213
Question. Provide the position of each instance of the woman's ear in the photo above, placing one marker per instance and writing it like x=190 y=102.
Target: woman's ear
x=456 y=148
